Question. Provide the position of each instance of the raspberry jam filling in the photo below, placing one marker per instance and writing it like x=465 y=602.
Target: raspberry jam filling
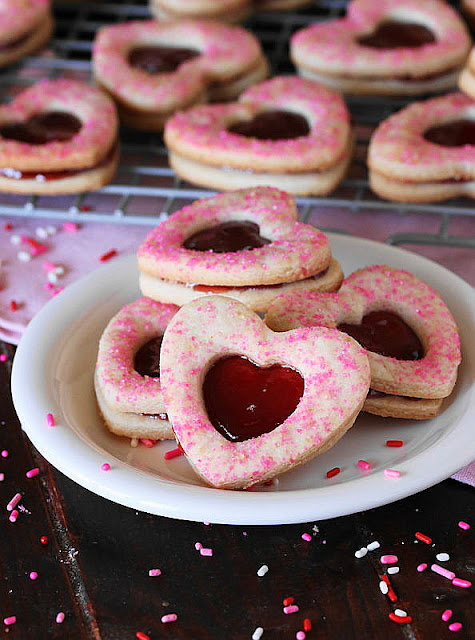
x=385 y=333
x=160 y=59
x=213 y=288
x=244 y=401
x=272 y=125
x=147 y=358
x=452 y=134
x=392 y=34
x=42 y=128
x=227 y=237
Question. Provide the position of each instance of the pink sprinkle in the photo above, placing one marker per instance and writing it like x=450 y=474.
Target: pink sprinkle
x=153 y=573
x=14 y=501
x=291 y=608
x=106 y=466
x=70 y=226
x=147 y=442
x=458 y=582
x=388 y=559
x=464 y=525
x=392 y=473
x=198 y=546
x=3 y=357
x=173 y=453
x=422 y=567
x=363 y=464
x=33 y=575
x=455 y=626
x=450 y=575
x=2 y=477
x=4 y=453
x=14 y=515
x=48 y=286
x=300 y=635
x=447 y=615
x=307 y=537
x=170 y=617
x=50 y=420
x=206 y=551
x=49 y=266
x=60 y=617
x=9 y=620
x=32 y=472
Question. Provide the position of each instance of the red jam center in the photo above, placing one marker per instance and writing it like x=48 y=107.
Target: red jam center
x=227 y=237
x=147 y=358
x=385 y=333
x=159 y=59
x=272 y=125
x=244 y=401
x=392 y=34
x=44 y=127
x=452 y=134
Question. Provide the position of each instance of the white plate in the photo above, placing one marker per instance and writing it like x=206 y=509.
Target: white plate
x=53 y=373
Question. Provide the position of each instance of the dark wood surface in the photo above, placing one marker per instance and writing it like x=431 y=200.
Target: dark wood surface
x=95 y=565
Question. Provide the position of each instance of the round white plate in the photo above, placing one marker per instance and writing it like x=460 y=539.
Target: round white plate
x=53 y=373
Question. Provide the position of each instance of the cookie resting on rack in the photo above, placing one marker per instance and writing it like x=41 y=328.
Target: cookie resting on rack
x=426 y=151
x=389 y=47
x=152 y=69
x=58 y=136
x=25 y=26
x=286 y=132
x=248 y=404
x=225 y=10
x=410 y=336
x=245 y=244
x=127 y=374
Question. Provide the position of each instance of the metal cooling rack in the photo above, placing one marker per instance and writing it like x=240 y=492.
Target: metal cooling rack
x=145 y=186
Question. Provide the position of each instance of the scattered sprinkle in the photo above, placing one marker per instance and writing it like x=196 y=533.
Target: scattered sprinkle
x=421 y=567
x=307 y=624
x=206 y=551
x=32 y=472
x=333 y=472
x=383 y=587
x=446 y=615
x=288 y=600
x=391 y=593
x=198 y=546
x=70 y=226
x=60 y=617
x=3 y=357
x=4 y=454
x=291 y=608
x=458 y=582
x=300 y=635
x=450 y=575
x=50 y=420
x=388 y=559
x=147 y=442
x=364 y=464
x=169 y=617
x=14 y=501
x=442 y=557
x=400 y=619
x=10 y=620
x=13 y=305
x=392 y=473
x=44 y=539
x=108 y=255
x=464 y=525
x=173 y=453
x=33 y=575
x=14 y=516
x=106 y=466
x=394 y=443
x=422 y=537
x=360 y=553
x=142 y=636
x=373 y=545
x=455 y=626
x=153 y=573
x=257 y=635
x=393 y=570
x=262 y=570
x=307 y=537
x=400 y=612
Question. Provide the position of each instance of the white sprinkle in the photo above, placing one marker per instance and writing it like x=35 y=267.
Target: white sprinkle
x=15 y=239
x=73 y=209
x=400 y=613
x=59 y=270
x=40 y=177
x=29 y=206
x=52 y=277
x=361 y=552
x=257 y=633
x=118 y=213
x=383 y=587
x=23 y=256
x=392 y=570
x=51 y=230
x=373 y=545
x=442 y=557
x=262 y=570
x=41 y=233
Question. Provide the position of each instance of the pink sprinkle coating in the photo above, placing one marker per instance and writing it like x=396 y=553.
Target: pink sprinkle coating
x=106 y=466
x=464 y=525
x=459 y=582
x=33 y=575
x=32 y=472
x=455 y=626
x=388 y=559
x=421 y=567
x=446 y=615
x=60 y=617
x=450 y=575
x=9 y=620
x=307 y=537
x=169 y=617
x=14 y=516
x=14 y=501
x=300 y=635
x=4 y=453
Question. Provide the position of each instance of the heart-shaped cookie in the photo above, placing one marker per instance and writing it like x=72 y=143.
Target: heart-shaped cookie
x=410 y=335
x=426 y=151
x=386 y=47
x=127 y=375
x=219 y=357
x=300 y=141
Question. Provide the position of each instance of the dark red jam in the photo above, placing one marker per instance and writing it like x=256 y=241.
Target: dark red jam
x=227 y=237
x=273 y=125
x=147 y=358
x=452 y=134
x=392 y=34
x=41 y=128
x=160 y=59
x=244 y=401
x=385 y=333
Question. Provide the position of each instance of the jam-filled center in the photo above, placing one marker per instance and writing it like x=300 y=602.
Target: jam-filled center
x=160 y=59
x=272 y=125
x=244 y=400
x=227 y=237
x=452 y=134
x=147 y=358
x=392 y=34
x=385 y=333
x=49 y=126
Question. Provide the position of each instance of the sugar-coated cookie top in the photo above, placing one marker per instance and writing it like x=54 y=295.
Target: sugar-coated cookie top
x=333 y=47
x=90 y=105
x=19 y=16
x=398 y=147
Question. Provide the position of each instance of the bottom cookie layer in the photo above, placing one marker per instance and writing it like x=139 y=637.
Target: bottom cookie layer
x=399 y=191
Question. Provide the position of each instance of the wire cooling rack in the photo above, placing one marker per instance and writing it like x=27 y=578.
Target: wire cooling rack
x=145 y=186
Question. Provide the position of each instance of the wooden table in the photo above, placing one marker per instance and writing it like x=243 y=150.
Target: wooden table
x=94 y=566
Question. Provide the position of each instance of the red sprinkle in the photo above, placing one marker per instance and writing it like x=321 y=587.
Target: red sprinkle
x=422 y=537
x=307 y=624
x=8 y=226
x=333 y=472
x=13 y=305
x=44 y=539
x=173 y=453
x=107 y=256
x=400 y=619
x=287 y=601
x=142 y=636
x=147 y=442
x=391 y=593
x=394 y=443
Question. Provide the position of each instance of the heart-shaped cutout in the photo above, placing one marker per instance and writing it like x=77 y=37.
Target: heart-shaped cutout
x=160 y=59
x=244 y=401
x=333 y=367
x=381 y=288
x=275 y=124
x=42 y=128
x=227 y=237
x=394 y=34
